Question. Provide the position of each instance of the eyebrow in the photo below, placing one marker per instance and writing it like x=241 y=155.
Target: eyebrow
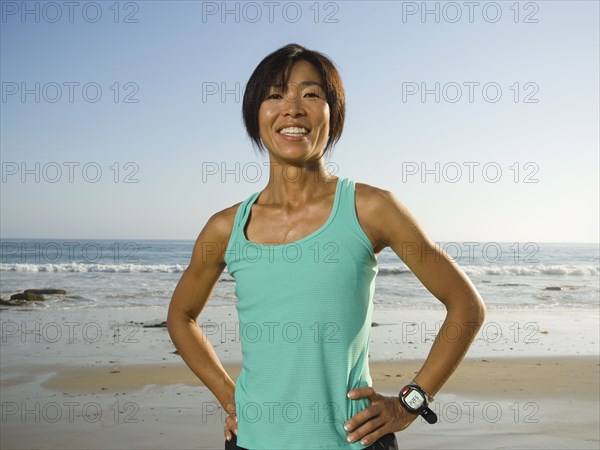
x=303 y=83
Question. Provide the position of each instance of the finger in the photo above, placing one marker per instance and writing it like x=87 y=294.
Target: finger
x=369 y=432
x=360 y=392
x=231 y=424
x=361 y=417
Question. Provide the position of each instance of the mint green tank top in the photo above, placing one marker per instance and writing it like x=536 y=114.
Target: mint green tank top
x=304 y=311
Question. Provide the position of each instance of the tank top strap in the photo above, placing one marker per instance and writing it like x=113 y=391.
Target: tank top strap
x=346 y=201
x=235 y=238
x=243 y=211
x=347 y=218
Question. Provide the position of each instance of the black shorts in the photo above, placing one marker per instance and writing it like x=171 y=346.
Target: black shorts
x=386 y=442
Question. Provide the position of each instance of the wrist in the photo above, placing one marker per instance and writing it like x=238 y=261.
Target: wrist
x=429 y=396
x=415 y=400
x=228 y=397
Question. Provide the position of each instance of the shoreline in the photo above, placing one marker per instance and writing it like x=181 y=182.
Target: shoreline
x=126 y=335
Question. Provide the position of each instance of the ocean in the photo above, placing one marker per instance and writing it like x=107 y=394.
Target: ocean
x=133 y=274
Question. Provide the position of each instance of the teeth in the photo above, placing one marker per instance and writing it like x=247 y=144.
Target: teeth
x=294 y=131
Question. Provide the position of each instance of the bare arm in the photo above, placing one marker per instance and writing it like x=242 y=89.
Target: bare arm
x=190 y=297
x=398 y=229
x=388 y=223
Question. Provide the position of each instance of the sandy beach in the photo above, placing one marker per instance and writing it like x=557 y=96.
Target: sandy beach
x=103 y=379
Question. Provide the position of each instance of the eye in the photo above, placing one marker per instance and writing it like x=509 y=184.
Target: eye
x=313 y=94
x=273 y=96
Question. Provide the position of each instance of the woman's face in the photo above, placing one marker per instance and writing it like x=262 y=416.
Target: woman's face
x=295 y=124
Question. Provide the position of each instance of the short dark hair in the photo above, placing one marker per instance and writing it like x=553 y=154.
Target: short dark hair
x=274 y=69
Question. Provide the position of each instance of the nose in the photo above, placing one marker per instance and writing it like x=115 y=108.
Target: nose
x=293 y=102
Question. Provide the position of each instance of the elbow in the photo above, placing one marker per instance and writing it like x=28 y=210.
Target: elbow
x=171 y=321
x=478 y=311
x=470 y=309
x=177 y=320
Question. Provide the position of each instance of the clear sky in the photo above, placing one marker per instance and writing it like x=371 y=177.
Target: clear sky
x=124 y=122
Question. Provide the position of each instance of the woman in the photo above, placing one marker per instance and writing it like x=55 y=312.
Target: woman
x=303 y=253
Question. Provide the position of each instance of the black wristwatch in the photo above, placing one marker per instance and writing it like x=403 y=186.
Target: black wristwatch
x=415 y=400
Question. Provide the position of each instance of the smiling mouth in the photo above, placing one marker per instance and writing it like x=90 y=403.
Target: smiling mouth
x=294 y=131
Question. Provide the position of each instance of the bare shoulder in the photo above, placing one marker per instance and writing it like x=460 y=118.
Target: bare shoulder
x=221 y=223
x=214 y=237
x=377 y=209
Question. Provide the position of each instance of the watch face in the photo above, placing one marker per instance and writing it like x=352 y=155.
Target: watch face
x=414 y=399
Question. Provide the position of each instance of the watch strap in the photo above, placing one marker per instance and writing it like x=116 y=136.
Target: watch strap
x=429 y=416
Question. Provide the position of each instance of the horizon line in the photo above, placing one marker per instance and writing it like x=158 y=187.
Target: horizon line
x=193 y=240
